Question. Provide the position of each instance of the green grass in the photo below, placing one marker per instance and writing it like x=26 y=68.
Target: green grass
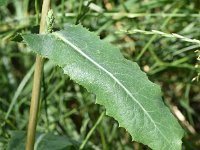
x=67 y=108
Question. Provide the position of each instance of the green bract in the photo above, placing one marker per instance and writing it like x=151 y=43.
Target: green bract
x=119 y=84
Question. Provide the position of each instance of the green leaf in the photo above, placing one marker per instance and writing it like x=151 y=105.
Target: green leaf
x=119 y=84
x=17 y=141
x=3 y=2
x=45 y=141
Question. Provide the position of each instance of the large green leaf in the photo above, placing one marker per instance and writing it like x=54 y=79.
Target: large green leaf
x=119 y=84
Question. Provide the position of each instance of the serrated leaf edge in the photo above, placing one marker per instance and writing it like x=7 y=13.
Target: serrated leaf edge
x=59 y=36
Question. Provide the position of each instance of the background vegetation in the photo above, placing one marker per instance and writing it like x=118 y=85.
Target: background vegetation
x=67 y=108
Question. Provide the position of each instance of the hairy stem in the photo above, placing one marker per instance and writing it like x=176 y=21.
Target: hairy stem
x=36 y=85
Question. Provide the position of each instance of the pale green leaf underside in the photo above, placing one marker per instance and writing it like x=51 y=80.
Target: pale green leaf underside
x=119 y=84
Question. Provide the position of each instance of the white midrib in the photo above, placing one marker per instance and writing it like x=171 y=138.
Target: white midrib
x=60 y=36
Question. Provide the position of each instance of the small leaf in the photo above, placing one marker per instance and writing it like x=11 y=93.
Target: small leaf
x=17 y=140
x=119 y=84
x=45 y=141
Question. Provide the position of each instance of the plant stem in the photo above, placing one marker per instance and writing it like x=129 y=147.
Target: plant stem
x=37 y=12
x=36 y=85
x=92 y=130
x=153 y=38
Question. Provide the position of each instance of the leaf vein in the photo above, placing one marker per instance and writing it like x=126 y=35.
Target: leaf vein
x=60 y=36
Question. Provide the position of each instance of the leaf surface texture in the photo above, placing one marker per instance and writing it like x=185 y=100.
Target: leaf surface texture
x=119 y=84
